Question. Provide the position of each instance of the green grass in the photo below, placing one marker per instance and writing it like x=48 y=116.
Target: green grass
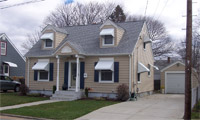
x=65 y=110
x=196 y=111
x=8 y=99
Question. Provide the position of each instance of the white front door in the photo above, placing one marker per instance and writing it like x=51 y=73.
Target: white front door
x=72 y=75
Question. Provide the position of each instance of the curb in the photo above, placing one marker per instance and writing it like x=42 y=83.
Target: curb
x=25 y=117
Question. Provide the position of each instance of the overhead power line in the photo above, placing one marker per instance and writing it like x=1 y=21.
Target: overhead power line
x=19 y=4
x=146 y=9
x=163 y=9
x=156 y=8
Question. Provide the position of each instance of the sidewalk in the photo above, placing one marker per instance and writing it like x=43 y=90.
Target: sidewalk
x=18 y=117
x=28 y=104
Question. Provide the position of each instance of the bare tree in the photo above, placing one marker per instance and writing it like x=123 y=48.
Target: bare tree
x=80 y=14
x=31 y=40
x=73 y=14
x=162 y=43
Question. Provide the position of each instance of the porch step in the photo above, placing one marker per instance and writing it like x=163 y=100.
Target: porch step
x=67 y=95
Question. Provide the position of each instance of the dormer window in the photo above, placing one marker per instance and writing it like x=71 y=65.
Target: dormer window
x=108 y=40
x=107 y=36
x=48 y=43
x=48 y=40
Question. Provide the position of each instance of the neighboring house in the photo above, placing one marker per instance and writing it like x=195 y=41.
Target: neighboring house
x=100 y=57
x=12 y=63
x=172 y=76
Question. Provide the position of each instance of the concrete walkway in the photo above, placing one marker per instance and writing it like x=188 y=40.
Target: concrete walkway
x=28 y=104
x=154 y=107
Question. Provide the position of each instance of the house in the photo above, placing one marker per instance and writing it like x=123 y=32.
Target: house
x=12 y=63
x=98 y=56
x=172 y=76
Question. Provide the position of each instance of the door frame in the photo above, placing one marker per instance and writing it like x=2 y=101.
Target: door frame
x=171 y=72
x=69 y=77
x=7 y=74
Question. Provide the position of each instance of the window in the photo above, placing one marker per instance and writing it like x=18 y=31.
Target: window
x=149 y=67
x=3 y=48
x=43 y=75
x=144 y=46
x=106 y=76
x=139 y=81
x=48 y=43
x=108 y=40
x=6 y=69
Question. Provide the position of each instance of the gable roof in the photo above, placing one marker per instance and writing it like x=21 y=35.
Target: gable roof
x=3 y=34
x=85 y=39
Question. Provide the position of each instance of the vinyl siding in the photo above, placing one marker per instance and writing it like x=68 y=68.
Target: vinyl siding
x=145 y=57
x=106 y=87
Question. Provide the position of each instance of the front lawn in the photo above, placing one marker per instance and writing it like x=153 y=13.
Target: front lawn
x=196 y=111
x=8 y=99
x=64 y=110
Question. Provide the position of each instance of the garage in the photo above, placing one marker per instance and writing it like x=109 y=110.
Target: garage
x=175 y=82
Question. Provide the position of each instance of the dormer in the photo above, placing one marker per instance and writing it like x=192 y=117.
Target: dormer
x=52 y=36
x=110 y=34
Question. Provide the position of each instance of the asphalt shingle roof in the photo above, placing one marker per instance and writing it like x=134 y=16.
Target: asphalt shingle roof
x=85 y=39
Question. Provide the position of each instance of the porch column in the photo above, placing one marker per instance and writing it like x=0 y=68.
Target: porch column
x=77 y=74
x=58 y=64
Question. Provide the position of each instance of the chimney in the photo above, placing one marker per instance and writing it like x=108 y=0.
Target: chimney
x=168 y=60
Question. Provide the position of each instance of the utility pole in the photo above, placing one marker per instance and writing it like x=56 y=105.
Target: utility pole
x=188 y=61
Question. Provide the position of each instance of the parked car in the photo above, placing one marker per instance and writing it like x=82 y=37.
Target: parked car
x=6 y=83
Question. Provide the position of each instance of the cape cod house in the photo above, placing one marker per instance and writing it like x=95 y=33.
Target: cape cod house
x=99 y=56
x=12 y=63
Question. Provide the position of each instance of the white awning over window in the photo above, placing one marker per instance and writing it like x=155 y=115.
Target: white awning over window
x=105 y=65
x=47 y=36
x=10 y=64
x=154 y=67
x=107 y=32
x=42 y=64
x=147 y=39
x=142 y=68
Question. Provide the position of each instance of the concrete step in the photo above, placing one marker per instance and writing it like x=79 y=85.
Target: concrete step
x=67 y=95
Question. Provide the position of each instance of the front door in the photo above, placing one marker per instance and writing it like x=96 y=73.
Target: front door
x=73 y=75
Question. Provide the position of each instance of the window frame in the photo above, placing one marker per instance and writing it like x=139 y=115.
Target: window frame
x=139 y=78
x=106 y=81
x=43 y=80
x=7 y=73
x=149 y=73
x=45 y=45
x=4 y=48
x=103 y=41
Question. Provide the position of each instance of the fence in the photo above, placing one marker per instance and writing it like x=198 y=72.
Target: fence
x=195 y=91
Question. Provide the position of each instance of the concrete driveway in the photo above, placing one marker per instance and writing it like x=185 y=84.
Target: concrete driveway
x=154 y=107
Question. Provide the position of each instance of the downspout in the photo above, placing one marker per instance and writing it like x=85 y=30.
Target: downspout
x=130 y=84
x=28 y=72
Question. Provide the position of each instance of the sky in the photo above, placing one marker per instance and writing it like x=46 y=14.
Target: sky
x=19 y=21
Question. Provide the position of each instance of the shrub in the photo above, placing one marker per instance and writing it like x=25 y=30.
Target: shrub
x=122 y=92
x=54 y=89
x=23 y=89
x=87 y=91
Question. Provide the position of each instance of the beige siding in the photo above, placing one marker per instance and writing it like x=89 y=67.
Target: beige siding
x=72 y=53
x=58 y=38
x=41 y=85
x=145 y=57
x=106 y=87
x=119 y=35
x=178 y=67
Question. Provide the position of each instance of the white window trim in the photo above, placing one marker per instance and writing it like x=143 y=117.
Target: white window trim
x=103 y=42
x=100 y=81
x=43 y=80
x=3 y=48
x=45 y=43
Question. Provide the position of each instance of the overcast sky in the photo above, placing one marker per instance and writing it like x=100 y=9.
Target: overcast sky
x=19 y=21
